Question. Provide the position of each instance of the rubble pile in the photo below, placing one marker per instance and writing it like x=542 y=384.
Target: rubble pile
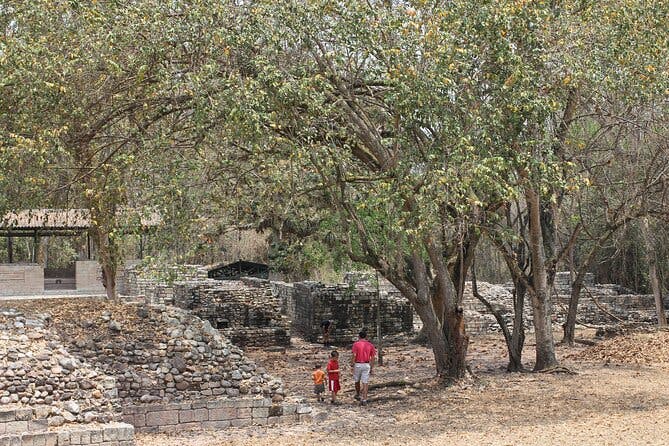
x=636 y=347
x=152 y=353
x=37 y=370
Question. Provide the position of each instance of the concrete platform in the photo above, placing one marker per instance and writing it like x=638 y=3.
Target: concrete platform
x=55 y=294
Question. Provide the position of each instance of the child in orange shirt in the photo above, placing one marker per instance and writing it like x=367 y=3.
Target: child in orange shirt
x=319 y=382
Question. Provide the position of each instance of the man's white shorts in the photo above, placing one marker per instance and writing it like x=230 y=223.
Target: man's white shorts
x=361 y=372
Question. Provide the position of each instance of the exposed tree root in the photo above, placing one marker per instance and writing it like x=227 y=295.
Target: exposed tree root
x=388 y=384
x=400 y=383
x=558 y=369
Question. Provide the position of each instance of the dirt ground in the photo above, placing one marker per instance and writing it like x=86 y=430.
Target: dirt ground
x=611 y=399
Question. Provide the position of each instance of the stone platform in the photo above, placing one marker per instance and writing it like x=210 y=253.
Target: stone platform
x=29 y=427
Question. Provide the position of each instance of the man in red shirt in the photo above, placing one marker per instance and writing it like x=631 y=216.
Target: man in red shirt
x=362 y=362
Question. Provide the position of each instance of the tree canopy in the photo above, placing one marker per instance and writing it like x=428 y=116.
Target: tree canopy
x=397 y=133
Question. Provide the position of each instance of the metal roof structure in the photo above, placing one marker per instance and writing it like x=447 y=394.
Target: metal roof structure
x=36 y=223
x=60 y=221
x=236 y=270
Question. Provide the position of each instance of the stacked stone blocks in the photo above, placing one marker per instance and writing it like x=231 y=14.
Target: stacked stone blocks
x=171 y=354
x=156 y=283
x=37 y=370
x=213 y=414
x=595 y=304
x=247 y=316
x=350 y=309
x=28 y=427
x=20 y=279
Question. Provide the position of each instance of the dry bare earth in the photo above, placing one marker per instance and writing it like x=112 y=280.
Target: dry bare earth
x=615 y=398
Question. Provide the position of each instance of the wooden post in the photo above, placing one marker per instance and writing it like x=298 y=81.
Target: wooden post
x=652 y=272
x=88 y=245
x=33 y=252
x=10 y=248
x=46 y=251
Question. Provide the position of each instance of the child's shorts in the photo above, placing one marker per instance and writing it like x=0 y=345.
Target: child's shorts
x=333 y=385
x=319 y=388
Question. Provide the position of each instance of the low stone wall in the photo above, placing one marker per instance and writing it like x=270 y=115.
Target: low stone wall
x=114 y=434
x=612 y=307
x=599 y=304
x=21 y=279
x=88 y=276
x=214 y=414
x=155 y=283
x=249 y=316
x=563 y=279
x=21 y=419
x=29 y=427
x=284 y=292
x=478 y=320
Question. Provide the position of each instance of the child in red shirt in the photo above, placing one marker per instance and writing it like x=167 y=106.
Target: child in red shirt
x=333 y=375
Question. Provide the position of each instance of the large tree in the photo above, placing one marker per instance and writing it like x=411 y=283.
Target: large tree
x=400 y=128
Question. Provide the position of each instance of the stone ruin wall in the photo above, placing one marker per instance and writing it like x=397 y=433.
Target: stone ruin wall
x=37 y=370
x=167 y=355
x=350 y=309
x=258 y=312
x=307 y=303
x=599 y=299
x=28 y=427
x=49 y=397
x=248 y=316
x=215 y=414
x=173 y=356
x=240 y=313
x=156 y=283
x=596 y=301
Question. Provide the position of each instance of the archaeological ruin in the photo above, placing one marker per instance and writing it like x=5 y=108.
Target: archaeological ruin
x=123 y=368
x=261 y=312
x=170 y=355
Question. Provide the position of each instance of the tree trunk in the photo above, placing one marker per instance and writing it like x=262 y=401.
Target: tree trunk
x=108 y=259
x=577 y=286
x=548 y=236
x=540 y=297
x=109 y=281
x=457 y=341
x=435 y=336
x=518 y=334
x=570 y=323
x=545 y=348
x=512 y=339
x=447 y=306
x=652 y=273
x=449 y=340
